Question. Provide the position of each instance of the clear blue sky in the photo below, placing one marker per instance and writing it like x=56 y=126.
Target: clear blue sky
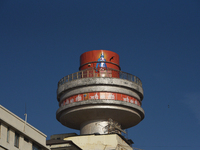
x=158 y=41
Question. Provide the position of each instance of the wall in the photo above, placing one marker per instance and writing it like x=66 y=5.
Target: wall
x=27 y=133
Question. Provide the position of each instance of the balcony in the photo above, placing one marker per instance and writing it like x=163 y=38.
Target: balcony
x=100 y=73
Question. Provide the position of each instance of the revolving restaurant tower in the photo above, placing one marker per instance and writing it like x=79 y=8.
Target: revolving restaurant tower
x=100 y=98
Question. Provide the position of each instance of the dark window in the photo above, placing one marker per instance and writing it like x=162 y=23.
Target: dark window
x=0 y=129
x=35 y=147
x=26 y=139
x=16 y=143
x=8 y=134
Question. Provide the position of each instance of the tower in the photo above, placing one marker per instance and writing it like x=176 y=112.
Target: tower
x=100 y=98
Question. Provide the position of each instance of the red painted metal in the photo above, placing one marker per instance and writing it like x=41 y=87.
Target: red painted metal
x=96 y=58
x=100 y=95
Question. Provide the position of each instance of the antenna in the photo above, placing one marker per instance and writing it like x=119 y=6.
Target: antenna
x=25 y=121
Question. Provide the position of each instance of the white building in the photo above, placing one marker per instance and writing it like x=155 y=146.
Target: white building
x=16 y=134
x=89 y=142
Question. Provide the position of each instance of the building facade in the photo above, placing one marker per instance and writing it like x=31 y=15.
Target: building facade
x=89 y=142
x=16 y=134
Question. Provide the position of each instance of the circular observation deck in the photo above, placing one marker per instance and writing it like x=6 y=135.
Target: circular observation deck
x=88 y=99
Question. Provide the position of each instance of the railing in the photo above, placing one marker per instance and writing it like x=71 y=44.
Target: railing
x=102 y=73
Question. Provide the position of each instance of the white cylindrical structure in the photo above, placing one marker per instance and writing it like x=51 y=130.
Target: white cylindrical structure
x=88 y=99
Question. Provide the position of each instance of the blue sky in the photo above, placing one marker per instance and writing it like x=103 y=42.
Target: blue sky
x=158 y=41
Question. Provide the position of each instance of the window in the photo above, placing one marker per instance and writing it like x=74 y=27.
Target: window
x=16 y=143
x=0 y=129
x=8 y=134
x=26 y=139
x=35 y=147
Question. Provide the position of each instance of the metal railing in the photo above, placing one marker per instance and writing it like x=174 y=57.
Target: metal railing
x=102 y=73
